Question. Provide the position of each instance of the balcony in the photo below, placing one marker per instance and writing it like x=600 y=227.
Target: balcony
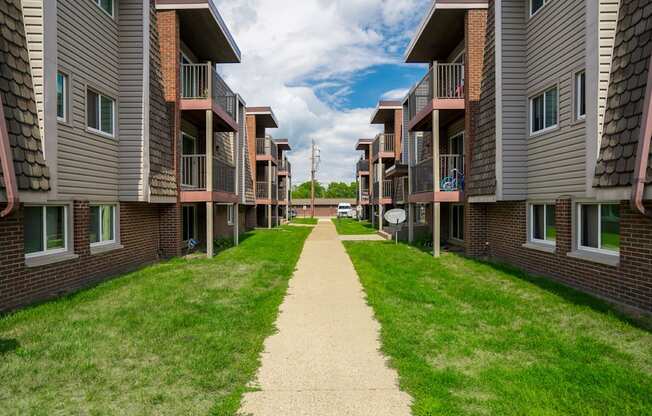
x=442 y=88
x=262 y=191
x=362 y=167
x=194 y=177
x=364 y=197
x=401 y=194
x=388 y=188
x=285 y=168
x=383 y=146
x=451 y=184
x=266 y=149
x=202 y=88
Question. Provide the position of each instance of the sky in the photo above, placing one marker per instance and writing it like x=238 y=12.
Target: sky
x=322 y=65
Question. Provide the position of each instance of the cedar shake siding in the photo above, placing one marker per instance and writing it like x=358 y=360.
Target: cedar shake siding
x=623 y=117
x=19 y=103
x=162 y=176
x=482 y=178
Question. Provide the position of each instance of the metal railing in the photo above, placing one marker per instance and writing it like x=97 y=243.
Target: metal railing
x=262 y=190
x=266 y=147
x=442 y=81
x=285 y=166
x=201 y=81
x=364 y=195
x=384 y=142
x=401 y=192
x=451 y=168
x=193 y=174
x=362 y=165
x=388 y=188
x=193 y=171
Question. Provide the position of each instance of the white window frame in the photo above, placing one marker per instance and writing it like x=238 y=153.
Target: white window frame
x=598 y=250
x=230 y=214
x=99 y=113
x=112 y=14
x=531 y=116
x=530 y=13
x=47 y=252
x=194 y=209
x=580 y=93
x=545 y=223
x=63 y=118
x=450 y=234
x=115 y=225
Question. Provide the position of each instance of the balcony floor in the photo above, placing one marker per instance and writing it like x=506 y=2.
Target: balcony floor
x=450 y=109
x=196 y=107
x=428 y=197
x=188 y=195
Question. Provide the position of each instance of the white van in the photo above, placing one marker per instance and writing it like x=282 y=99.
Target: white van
x=344 y=210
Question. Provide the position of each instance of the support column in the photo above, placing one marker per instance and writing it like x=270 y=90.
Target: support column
x=436 y=209
x=269 y=193
x=210 y=227
x=380 y=194
x=411 y=223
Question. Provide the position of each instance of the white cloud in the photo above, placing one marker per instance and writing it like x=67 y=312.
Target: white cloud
x=396 y=94
x=300 y=57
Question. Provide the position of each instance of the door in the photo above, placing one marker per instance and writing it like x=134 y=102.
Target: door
x=456 y=150
x=190 y=161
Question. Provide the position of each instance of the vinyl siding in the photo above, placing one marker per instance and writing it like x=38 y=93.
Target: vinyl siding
x=608 y=21
x=555 y=51
x=131 y=90
x=33 y=20
x=88 y=45
x=514 y=90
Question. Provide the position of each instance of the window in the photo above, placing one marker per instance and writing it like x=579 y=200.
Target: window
x=599 y=227
x=230 y=214
x=102 y=227
x=189 y=222
x=580 y=95
x=106 y=5
x=542 y=223
x=420 y=214
x=45 y=230
x=457 y=222
x=543 y=111
x=62 y=96
x=536 y=5
x=100 y=112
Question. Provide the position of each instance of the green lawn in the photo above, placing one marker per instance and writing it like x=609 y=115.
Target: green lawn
x=177 y=338
x=348 y=226
x=470 y=338
x=304 y=221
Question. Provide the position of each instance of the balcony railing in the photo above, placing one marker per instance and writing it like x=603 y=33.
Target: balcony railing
x=383 y=143
x=443 y=81
x=363 y=165
x=262 y=190
x=388 y=188
x=401 y=192
x=266 y=147
x=193 y=174
x=285 y=166
x=364 y=195
x=451 y=168
x=201 y=81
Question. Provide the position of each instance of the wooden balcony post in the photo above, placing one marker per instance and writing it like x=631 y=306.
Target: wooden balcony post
x=210 y=147
x=381 y=194
x=209 y=229
x=436 y=212
x=209 y=80
x=269 y=193
x=435 y=80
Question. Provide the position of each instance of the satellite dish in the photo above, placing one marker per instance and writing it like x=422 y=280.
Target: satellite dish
x=396 y=216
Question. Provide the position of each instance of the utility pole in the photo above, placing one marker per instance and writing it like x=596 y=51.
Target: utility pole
x=314 y=163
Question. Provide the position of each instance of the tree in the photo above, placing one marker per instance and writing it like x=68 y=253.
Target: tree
x=303 y=191
x=341 y=190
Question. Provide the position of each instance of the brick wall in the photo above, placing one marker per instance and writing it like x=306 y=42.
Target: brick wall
x=170 y=230
x=481 y=145
x=20 y=285
x=629 y=283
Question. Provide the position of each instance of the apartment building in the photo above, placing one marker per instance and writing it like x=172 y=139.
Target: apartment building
x=271 y=169
x=530 y=118
x=363 y=179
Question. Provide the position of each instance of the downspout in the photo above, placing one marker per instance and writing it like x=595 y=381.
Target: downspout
x=643 y=152
x=7 y=163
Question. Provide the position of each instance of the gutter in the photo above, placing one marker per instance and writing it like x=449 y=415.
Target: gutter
x=643 y=152
x=7 y=163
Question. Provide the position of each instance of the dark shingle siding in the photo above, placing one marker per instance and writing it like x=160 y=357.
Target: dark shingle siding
x=19 y=103
x=626 y=95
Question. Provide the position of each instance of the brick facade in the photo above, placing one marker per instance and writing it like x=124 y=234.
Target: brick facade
x=499 y=230
x=141 y=228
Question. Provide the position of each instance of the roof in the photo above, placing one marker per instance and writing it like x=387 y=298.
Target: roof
x=202 y=26
x=265 y=116
x=19 y=103
x=443 y=23
x=360 y=145
x=324 y=201
x=627 y=88
x=282 y=144
x=385 y=111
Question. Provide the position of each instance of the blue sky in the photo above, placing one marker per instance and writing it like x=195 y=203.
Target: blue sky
x=322 y=65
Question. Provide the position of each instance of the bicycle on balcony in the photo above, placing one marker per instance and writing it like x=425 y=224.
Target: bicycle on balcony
x=454 y=182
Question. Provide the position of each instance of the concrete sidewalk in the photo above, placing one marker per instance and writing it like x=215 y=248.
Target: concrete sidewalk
x=325 y=358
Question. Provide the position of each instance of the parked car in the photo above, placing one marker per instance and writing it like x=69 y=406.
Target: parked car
x=344 y=210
